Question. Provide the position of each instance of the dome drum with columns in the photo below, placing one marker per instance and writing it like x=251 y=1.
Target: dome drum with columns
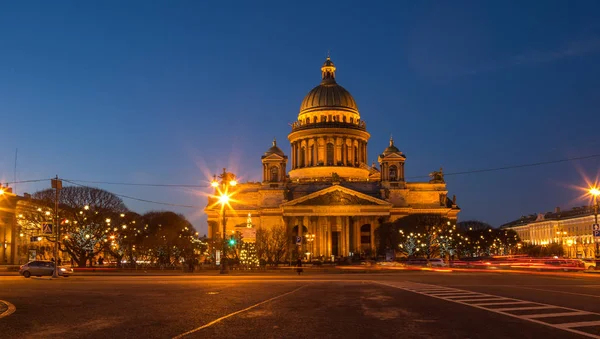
x=330 y=191
x=329 y=135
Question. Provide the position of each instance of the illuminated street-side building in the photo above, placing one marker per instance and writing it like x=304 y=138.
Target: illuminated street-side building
x=330 y=193
x=572 y=229
x=8 y=237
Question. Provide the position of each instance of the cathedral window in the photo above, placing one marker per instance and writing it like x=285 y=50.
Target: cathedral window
x=329 y=154
x=274 y=174
x=393 y=173
x=302 y=156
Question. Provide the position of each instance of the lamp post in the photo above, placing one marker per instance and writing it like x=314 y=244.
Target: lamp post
x=310 y=238
x=222 y=193
x=594 y=192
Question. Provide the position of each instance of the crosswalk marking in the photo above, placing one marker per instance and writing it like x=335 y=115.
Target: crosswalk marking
x=489 y=302
x=551 y=315
x=524 y=308
x=502 y=303
x=476 y=301
x=580 y=324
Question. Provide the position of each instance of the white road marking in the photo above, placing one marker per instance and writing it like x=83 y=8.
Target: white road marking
x=480 y=299
x=580 y=324
x=236 y=312
x=566 y=326
x=452 y=295
x=10 y=309
x=551 y=315
x=502 y=303
x=504 y=309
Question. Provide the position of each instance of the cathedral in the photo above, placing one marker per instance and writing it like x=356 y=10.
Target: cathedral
x=330 y=196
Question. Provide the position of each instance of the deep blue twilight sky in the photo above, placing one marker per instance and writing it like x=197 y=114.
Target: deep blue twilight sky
x=172 y=91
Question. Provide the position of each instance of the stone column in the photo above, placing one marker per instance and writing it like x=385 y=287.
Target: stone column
x=306 y=150
x=315 y=151
x=344 y=152
x=293 y=155
x=340 y=227
x=347 y=235
x=372 y=222
x=317 y=237
x=366 y=158
x=356 y=230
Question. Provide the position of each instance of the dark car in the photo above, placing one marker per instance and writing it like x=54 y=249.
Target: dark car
x=43 y=267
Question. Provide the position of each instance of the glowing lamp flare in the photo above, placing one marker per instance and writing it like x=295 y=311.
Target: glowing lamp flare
x=224 y=199
x=594 y=191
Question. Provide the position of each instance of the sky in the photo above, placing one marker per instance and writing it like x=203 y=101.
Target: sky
x=170 y=92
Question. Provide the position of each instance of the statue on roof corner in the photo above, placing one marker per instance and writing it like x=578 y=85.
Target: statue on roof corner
x=437 y=177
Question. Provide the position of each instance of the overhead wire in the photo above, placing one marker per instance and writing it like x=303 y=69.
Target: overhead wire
x=493 y=169
x=140 y=199
x=24 y=181
x=540 y=163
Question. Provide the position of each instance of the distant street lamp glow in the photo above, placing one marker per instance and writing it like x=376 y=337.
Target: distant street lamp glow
x=594 y=191
x=214 y=184
x=86 y=207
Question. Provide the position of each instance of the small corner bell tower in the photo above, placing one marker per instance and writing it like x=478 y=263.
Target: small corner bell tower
x=391 y=163
x=274 y=163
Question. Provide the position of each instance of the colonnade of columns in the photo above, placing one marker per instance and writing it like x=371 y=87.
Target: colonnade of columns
x=334 y=235
x=314 y=151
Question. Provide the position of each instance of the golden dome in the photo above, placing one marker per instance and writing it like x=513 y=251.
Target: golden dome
x=328 y=95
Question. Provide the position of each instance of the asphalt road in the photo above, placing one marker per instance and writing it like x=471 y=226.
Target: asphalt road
x=395 y=305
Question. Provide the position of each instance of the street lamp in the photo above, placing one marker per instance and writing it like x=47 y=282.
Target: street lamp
x=222 y=188
x=310 y=238
x=594 y=192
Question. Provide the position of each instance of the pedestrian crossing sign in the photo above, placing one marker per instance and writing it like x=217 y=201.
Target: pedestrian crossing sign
x=47 y=228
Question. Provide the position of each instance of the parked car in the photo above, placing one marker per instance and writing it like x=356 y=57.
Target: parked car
x=43 y=267
x=590 y=264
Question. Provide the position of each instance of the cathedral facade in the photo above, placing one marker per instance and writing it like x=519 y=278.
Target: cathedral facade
x=330 y=195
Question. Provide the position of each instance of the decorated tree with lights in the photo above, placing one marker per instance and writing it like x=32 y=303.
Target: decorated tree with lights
x=417 y=234
x=85 y=215
x=248 y=256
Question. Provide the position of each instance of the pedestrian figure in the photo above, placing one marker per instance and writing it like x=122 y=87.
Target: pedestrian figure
x=299 y=265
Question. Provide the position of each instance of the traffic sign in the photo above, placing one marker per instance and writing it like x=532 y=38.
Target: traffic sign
x=47 y=228
x=298 y=241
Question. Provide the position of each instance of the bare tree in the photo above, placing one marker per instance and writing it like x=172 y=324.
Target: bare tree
x=279 y=241
x=87 y=216
x=263 y=239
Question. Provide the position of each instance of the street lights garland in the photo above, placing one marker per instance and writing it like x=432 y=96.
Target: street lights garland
x=222 y=194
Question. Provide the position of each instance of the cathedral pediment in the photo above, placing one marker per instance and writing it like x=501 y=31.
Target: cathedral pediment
x=337 y=196
x=273 y=156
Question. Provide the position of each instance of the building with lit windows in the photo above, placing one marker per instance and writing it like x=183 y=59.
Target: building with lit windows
x=8 y=238
x=330 y=194
x=572 y=229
